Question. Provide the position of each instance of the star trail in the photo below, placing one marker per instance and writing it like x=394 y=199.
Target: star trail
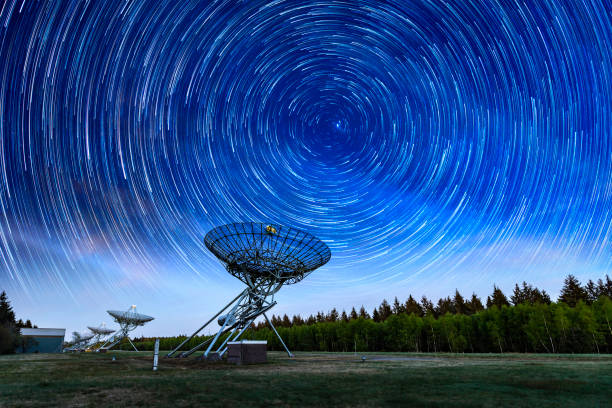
x=421 y=140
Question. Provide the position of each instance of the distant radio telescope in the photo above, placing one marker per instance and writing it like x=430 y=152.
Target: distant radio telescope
x=264 y=257
x=128 y=321
x=99 y=333
x=79 y=342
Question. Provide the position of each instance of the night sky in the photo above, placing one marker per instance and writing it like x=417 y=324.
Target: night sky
x=432 y=145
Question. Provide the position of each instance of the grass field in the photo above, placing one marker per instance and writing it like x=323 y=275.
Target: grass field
x=309 y=379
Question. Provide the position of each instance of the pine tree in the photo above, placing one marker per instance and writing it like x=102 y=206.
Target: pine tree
x=517 y=296
x=412 y=306
x=363 y=313
x=384 y=310
x=344 y=317
x=592 y=291
x=474 y=305
x=376 y=315
x=9 y=331
x=428 y=307
x=7 y=316
x=320 y=317
x=544 y=298
x=398 y=308
x=286 y=322
x=528 y=294
x=459 y=303
x=445 y=305
x=333 y=315
x=605 y=288
x=354 y=315
x=572 y=292
x=497 y=298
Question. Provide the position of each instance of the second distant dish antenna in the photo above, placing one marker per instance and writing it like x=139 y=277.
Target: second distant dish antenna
x=128 y=321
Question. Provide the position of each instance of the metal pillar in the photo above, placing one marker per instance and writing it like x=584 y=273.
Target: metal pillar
x=135 y=349
x=196 y=348
x=278 y=335
x=116 y=338
x=222 y=352
x=111 y=339
x=228 y=317
x=203 y=326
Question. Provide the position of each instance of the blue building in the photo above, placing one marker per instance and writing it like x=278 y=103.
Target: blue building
x=41 y=340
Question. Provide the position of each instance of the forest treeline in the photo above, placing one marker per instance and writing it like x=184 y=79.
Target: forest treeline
x=527 y=321
x=10 y=327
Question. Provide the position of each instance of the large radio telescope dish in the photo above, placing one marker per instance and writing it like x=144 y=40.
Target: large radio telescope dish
x=129 y=317
x=255 y=252
x=128 y=321
x=265 y=257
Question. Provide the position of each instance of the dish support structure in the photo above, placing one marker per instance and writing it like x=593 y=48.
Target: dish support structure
x=251 y=303
x=119 y=335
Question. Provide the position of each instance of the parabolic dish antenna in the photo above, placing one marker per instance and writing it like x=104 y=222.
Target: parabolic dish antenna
x=101 y=330
x=79 y=341
x=130 y=317
x=99 y=333
x=258 y=253
x=128 y=321
x=265 y=257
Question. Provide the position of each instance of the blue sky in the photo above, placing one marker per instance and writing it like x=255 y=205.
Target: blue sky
x=431 y=146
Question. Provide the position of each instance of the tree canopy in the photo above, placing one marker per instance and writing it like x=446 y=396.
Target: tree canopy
x=9 y=331
x=530 y=323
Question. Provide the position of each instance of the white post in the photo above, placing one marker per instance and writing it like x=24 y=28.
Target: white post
x=156 y=355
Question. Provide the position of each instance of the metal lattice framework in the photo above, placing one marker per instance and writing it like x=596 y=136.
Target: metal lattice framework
x=256 y=253
x=128 y=321
x=265 y=257
x=99 y=333
x=80 y=342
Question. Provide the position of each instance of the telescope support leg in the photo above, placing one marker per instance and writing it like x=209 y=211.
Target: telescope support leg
x=278 y=335
x=132 y=344
x=203 y=326
x=110 y=339
x=114 y=343
x=225 y=341
x=222 y=352
x=227 y=319
x=196 y=348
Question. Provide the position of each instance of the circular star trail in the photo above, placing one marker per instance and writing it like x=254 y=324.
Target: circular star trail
x=414 y=138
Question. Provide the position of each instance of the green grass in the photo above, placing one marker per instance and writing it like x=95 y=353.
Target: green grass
x=310 y=379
